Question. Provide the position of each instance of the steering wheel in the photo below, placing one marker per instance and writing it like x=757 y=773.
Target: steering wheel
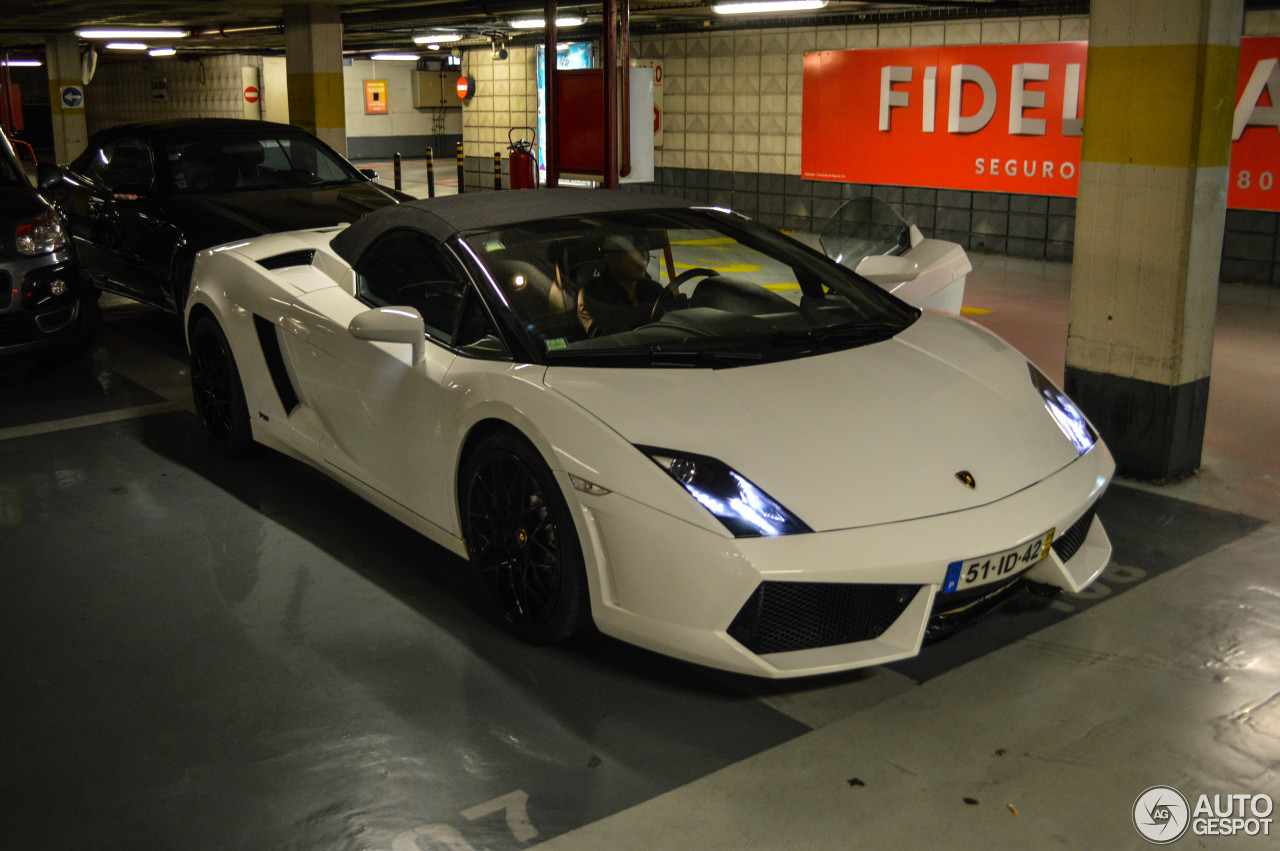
x=670 y=289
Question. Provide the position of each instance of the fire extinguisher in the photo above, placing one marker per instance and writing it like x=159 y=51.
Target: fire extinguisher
x=523 y=164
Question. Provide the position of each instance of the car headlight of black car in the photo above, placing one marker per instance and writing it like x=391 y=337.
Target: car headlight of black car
x=40 y=236
x=743 y=508
x=1064 y=412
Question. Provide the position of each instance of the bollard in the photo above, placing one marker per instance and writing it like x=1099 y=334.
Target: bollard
x=462 y=172
x=497 y=169
x=395 y=169
x=431 y=174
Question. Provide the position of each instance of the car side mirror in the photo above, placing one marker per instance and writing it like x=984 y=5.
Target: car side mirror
x=392 y=325
x=886 y=269
x=48 y=176
x=372 y=174
x=131 y=192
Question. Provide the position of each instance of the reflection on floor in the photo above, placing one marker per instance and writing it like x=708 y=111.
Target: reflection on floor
x=199 y=654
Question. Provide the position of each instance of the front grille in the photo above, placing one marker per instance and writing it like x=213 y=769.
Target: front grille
x=953 y=611
x=783 y=616
x=17 y=328
x=1069 y=541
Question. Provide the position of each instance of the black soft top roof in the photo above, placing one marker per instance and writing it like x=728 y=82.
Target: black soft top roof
x=189 y=126
x=451 y=214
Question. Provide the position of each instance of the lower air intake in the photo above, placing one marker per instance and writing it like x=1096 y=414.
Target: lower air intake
x=783 y=616
x=1069 y=541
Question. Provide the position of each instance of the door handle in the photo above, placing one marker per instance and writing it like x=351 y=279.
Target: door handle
x=296 y=327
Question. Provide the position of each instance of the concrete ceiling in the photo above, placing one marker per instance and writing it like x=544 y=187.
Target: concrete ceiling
x=254 y=26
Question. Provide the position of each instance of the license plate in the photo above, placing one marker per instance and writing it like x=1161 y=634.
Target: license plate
x=970 y=573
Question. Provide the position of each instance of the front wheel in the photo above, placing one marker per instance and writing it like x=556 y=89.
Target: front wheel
x=521 y=538
x=219 y=395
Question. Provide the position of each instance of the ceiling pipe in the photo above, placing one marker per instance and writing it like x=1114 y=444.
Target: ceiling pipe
x=231 y=32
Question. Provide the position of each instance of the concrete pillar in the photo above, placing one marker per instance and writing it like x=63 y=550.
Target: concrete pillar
x=1149 y=221
x=313 y=64
x=66 y=96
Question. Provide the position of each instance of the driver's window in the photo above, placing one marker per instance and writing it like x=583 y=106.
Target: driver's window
x=408 y=268
x=123 y=164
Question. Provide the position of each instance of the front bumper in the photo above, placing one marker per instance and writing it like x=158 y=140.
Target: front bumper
x=29 y=332
x=687 y=592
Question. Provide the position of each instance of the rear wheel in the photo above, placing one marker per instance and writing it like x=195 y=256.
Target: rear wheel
x=521 y=538
x=219 y=395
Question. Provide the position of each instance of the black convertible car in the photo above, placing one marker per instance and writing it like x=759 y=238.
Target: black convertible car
x=144 y=198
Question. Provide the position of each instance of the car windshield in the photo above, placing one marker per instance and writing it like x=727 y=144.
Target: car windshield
x=267 y=161
x=679 y=288
x=862 y=228
x=10 y=174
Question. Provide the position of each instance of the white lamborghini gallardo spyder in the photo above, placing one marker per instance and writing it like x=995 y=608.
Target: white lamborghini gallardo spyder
x=670 y=423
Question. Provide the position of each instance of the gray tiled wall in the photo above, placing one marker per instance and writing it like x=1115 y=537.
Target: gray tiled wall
x=1039 y=227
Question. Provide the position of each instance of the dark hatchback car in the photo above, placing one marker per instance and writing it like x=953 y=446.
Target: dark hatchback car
x=45 y=311
x=144 y=198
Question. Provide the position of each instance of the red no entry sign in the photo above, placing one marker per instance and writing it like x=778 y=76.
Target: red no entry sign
x=251 y=94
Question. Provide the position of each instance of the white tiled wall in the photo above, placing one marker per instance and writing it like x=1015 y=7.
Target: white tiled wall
x=506 y=97
x=211 y=87
x=733 y=100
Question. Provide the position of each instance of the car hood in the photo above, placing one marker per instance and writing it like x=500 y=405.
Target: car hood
x=864 y=436
x=20 y=204
x=254 y=212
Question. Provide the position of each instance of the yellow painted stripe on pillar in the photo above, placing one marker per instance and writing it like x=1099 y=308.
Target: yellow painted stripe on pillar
x=316 y=100
x=1160 y=105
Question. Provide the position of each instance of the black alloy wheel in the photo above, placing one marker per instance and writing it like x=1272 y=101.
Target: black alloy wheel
x=521 y=537
x=219 y=395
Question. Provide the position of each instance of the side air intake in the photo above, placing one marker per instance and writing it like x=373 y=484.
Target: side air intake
x=288 y=259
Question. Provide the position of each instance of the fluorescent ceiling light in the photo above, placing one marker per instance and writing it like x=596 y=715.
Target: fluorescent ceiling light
x=539 y=23
x=395 y=57
x=126 y=45
x=22 y=63
x=767 y=6
x=436 y=38
x=132 y=32
x=161 y=51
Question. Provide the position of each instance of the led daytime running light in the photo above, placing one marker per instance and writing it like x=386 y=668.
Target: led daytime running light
x=1069 y=419
x=743 y=508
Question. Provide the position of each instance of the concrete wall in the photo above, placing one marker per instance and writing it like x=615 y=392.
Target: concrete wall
x=732 y=135
x=506 y=97
x=404 y=129
x=210 y=87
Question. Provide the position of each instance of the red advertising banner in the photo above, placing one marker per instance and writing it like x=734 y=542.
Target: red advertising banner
x=1255 y=149
x=997 y=118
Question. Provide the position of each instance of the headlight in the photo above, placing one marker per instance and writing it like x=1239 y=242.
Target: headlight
x=743 y=508
x=40 y=236
x=1064 y=412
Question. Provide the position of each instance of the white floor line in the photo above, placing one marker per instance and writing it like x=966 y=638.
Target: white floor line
x=94 y=419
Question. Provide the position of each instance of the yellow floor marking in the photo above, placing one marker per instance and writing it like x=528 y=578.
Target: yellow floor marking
x=719 y=240
x=974 y=311
x=728 y=268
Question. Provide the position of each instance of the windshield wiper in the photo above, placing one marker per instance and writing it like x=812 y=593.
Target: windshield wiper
x=659 y=355
x=709 y=357
x=859 y=333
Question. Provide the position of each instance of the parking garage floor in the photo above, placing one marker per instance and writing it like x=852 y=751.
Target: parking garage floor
x=199 y=654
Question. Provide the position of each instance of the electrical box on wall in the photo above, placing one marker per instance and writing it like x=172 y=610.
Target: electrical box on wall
x=435 y=89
